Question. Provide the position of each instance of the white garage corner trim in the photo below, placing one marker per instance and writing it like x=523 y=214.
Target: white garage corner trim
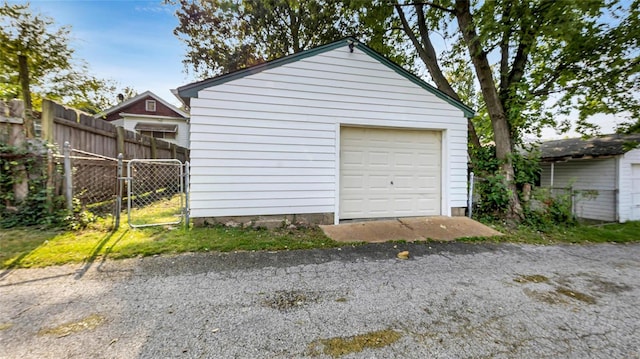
x=336 y=213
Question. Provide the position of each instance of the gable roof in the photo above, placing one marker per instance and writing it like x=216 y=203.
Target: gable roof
x=579 y=148
x=137 y=98
x=186 y=92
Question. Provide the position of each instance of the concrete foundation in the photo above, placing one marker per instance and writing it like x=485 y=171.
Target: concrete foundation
x=269 y=222
x=458 y=211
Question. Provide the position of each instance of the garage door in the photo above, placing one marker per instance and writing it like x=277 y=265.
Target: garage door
x=635 y=192
x=389 y=173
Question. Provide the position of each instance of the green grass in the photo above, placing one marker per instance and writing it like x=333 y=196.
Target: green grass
x=581 y=233
x=35 y=247
x=23 y=248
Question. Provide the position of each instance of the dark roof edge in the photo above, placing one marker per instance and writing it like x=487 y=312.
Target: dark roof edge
x=191 y=90
x=566 y=158
x=186 y=92
x=468 y=111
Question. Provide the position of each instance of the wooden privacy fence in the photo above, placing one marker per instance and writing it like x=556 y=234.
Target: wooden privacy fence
x=90 y=165
x=60 y=124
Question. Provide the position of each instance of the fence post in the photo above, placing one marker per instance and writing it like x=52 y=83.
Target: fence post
x=470 y=196
x=50 y=180
x=154 y=148
x=119 y=194
x=186 y=195
x=120 y=140
x=68 y=176
x=47 y=120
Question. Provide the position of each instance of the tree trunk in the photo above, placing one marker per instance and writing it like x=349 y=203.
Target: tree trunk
x=23 y=71
x=428 y=56
x=501 y=133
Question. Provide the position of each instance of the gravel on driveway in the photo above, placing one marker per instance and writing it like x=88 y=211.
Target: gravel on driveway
x=448 y=300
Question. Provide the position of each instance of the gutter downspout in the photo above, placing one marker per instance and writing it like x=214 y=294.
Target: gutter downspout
x=616 y=191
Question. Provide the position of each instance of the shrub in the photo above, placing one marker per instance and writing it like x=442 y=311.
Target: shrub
x=40 y=206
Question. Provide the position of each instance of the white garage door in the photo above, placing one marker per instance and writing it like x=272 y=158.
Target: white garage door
x=389 y=173
x=635 y=192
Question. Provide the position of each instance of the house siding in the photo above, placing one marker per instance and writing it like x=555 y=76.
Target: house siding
x=625 y=184
x=268 y=143
x=139 y=107
x=593 y=174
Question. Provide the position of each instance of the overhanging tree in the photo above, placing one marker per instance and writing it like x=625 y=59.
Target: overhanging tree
x=532 y=61
x=225 y=35
x=36 y=61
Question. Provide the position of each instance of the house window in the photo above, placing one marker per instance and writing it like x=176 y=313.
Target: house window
x=158 y=134
x=150 y=105
x=163 y=131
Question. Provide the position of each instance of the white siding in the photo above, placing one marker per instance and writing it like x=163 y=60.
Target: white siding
x=267 y=143
x=595 y=174
x=182 y=136
x=626 y=185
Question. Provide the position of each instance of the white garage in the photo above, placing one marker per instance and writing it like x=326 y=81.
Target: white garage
x=333 y=133
x=602 y=172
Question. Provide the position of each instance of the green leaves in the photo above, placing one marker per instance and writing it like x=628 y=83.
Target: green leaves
x=226 y=35
x=53 y=71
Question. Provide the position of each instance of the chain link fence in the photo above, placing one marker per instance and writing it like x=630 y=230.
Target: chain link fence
x=153 y=189
x=587 y=204
x=94 y=180
x=158 y=183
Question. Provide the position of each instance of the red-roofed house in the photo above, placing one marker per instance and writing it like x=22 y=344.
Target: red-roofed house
x=150 y=115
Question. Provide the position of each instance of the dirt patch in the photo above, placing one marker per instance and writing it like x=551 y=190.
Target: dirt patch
x=603 y=286
x=87 y=323
x=544 y=296
x=340 y=346
x=576 y=295
x=533 y=278
x=561 y=290
x=286 y=300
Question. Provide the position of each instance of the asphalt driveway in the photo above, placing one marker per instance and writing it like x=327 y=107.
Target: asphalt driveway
x=448 y=300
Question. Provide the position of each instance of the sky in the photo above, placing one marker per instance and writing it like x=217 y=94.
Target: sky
x=132 y=43
x=128 y=41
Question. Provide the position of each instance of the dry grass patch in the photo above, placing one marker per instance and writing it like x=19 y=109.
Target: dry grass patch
x=87 y=323
x=340 y=346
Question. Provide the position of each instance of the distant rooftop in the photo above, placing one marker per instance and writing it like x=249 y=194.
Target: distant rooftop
x=594 y=147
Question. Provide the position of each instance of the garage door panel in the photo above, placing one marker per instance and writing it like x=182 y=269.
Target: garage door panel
x=399 y=173
x=352 y=182
x=427 y=182
x=378 y=182
x=403 y=182
x=378 y=159
x=406 y=160
x=352 y=158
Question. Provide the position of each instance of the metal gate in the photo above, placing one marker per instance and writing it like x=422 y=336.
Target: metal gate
x=156 y=192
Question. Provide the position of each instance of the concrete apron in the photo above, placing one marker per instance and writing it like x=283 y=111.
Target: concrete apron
x=409 y=229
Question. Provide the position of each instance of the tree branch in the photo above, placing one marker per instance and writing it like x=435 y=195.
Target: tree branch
x=504 y=48
x=428 y=55
x=429 y=3
x=527 y=41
